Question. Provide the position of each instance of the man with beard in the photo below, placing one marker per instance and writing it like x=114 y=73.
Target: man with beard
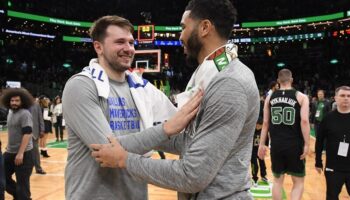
x=18 y=157
x=215 y=149
x=106 y=100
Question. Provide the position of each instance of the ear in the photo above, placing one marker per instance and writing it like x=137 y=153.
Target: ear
x=205 y=27
x=98 y=47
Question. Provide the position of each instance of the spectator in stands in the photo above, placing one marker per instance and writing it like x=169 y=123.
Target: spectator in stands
x=45 y=106
x=58 y=115
x=319 y=109
x=273 y=86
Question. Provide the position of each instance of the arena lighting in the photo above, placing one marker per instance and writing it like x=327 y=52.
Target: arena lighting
x=294 y=21
x=343 y=20
x=265 y=29
x=334 y=61
x=30 y=34
x=279 y=38
x=9 y=61
x=76 y=39
x=348 y=13
x=13 y=84
x=66 y=65
x=2 y=11
x=168 y=28
x=167 y=43
x=281 y=64
x=241 y=29
x=320 y=23
x=28 y=16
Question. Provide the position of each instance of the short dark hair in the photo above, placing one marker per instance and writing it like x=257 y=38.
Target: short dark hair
x=27 y=99
x=221 y=13
x=321 y=90
x=344 y=87
x=98 y=29
x=284 y=75
x=272 y=84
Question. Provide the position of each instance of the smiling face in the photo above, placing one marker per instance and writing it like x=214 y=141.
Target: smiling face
x=117 y=49
x=189 y=38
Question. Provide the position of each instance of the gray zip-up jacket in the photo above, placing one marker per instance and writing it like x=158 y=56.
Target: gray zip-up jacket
x=215 y=150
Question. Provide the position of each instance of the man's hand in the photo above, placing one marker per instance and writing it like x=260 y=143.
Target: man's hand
x=319 y=170
x=19 y=159
x=181 y=119
x=262 y=151
x=305 y=152
x=41 y=135
x=110 y=155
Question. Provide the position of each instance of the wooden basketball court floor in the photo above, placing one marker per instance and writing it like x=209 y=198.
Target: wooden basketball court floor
x=51 y=185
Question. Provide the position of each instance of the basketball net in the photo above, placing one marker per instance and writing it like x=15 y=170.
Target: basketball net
x=139 y=71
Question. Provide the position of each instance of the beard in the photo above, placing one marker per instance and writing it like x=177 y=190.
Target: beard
x=193 y=48
x=14 y=107
x=117 y=65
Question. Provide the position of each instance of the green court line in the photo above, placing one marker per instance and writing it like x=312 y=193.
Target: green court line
x=62 y=145
x=264 y=191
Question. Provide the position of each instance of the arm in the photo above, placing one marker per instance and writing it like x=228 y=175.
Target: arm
x=26 y=124
x=304 y=123
x=149 y=138
x=46 y=114
x=312 y=113
x=217 y=128
x=163 y=109
x=265 y=128
x=25 y=140
x=83 y=113
x=41 y=121
x=328 y=107
x=321 y=134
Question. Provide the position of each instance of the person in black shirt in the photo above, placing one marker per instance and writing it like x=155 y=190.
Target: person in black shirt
x=286 y=116
x=335 y=130
x=255 y=161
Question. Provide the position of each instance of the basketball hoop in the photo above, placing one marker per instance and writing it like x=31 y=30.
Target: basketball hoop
x=139 y=71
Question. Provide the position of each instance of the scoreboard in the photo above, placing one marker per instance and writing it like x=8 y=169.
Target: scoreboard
x=145 y=33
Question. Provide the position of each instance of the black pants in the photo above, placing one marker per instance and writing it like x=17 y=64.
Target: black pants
x=335 y=181
x=2 y=177
x=21 y=189
x=59 y=128
x=255 y=167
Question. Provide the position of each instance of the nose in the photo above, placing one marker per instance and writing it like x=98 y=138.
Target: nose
x=181 y=37
x=129 y=47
